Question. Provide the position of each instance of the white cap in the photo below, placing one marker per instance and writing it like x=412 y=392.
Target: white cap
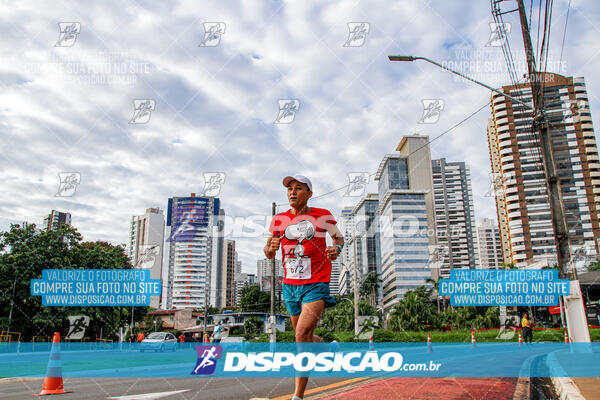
x=299 y=178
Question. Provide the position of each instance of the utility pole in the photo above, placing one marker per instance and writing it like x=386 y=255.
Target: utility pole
x=559 y=221
x=272 y=320
x=355 y=274
x=576 y=318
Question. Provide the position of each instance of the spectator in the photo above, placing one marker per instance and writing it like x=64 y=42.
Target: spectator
x=526 y=326
x=140 y=336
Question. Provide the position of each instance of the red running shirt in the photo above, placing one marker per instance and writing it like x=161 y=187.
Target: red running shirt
x=303 y=237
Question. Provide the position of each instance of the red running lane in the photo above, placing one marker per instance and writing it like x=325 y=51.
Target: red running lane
x=432 y=388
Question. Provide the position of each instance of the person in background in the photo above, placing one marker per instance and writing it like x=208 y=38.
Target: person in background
x=526 y=326
x=216 y=337
x=140 y=336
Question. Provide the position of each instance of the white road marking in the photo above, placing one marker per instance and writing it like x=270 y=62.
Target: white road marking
x=148 y=396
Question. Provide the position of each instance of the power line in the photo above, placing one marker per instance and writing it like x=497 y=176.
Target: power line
x=565 y=31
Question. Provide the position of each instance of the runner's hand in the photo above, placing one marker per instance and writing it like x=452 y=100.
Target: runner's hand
x=273 y=243
x=332 y=252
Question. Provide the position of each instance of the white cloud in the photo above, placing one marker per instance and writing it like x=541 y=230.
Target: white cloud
x=215 y=106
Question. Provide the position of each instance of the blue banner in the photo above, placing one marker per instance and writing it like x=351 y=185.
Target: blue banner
x=95 y=287
x=489 y=287
x=156 y=359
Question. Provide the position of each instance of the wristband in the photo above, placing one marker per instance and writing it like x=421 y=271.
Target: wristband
x=339 y=248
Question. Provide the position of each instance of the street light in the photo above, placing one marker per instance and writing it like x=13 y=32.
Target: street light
x=412 y=58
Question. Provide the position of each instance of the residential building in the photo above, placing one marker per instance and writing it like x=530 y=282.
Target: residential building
x=193 y=252
x=227 y=273
x=490 y=248
x=335 y=276
x=406 y=219
x=263 y=274
x=454 y=216
x=55 y=219
x=145 y=247
x=346 y=226
x=524 y=216
x=242 y=280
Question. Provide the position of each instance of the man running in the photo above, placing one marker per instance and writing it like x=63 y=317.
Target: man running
x=307 y=260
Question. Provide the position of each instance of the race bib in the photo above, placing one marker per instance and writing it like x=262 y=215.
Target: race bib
x=297 y=268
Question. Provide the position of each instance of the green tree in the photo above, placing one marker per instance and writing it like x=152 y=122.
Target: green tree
x=369 y=287
x=340 y=318
x=253 y=326
x=254 y=300
x=25 y=253
x=415 y=312
x=595 y=266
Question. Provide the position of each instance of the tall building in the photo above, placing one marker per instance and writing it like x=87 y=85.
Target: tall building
x=490 y=248
x=521 y=198
x=346 y=226
x=242 y=280
x=192 y=252
x=406 y=211
x=263 y=274
x=367 y=235
x=335 y=276
x=454 y=216
x=145 y=247
x=228 y=273
x=55 y=219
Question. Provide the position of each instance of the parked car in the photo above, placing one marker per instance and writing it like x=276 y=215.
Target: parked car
x=159 y=341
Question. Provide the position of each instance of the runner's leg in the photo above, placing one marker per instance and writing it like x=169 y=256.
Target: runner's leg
x=304 y=328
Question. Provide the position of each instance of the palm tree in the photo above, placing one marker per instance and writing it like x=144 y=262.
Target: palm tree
x=369 y=287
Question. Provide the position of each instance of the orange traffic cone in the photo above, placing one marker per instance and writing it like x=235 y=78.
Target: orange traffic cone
x=53 y=383
x=429 y=346
x=520 y=339
x=473 y=341
x=371 y=347
x=566 y=337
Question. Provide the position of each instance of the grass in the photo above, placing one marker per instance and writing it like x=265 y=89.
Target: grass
x=456 y=336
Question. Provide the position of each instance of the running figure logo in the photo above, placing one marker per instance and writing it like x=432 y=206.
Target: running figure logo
x=68 y=183
x=207 y=359
x=357 y=34
x=287 y=111
x=212 y=34
x=432 y=108
x=498 y=34
x=142 y=109
x=68 y=34
x=77 y=326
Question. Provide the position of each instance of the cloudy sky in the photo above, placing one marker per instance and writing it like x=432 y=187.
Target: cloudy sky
x=67 y=100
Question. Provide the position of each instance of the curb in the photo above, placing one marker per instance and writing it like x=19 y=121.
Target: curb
x=523 y=388
x=564 y=386
x=20 y=379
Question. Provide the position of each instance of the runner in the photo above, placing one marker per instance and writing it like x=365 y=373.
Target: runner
x=307 y=261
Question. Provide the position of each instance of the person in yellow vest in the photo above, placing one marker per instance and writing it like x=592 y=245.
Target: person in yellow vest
x=526 y=325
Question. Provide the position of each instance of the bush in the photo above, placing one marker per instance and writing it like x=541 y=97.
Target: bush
x=380 y=335
x=326 y=335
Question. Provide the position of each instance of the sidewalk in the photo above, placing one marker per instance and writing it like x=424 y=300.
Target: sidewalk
x=576 y=388
x=429 y=388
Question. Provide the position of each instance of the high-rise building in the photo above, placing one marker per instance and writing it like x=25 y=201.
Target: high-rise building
x=367 y=235
x=55 y=219
x=263 y=274
x=346 y=226
x=406 y=219
x=454 y=216
x=241 y=280
x=335 y=276
x=228 y=273
x=145 y=247
x=519 y=180
x=490 y=248
x=192 y=252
